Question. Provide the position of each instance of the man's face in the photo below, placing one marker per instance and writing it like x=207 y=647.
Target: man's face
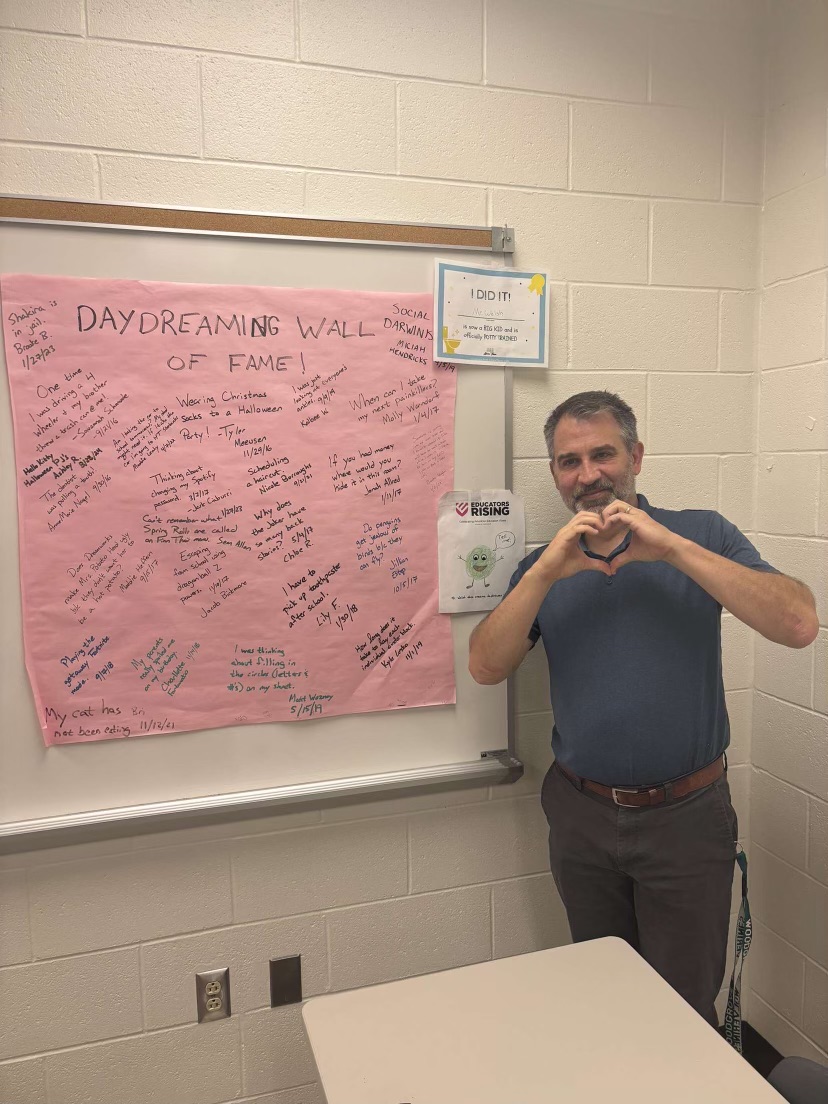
x=591 y=465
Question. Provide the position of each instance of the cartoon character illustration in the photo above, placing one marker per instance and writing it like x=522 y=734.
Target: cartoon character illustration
x=480 y=564
x=536 y=284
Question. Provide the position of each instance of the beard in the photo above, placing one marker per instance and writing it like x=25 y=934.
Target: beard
x=623 y=488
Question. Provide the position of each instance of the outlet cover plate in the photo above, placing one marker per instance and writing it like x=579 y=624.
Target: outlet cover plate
x=213 y=994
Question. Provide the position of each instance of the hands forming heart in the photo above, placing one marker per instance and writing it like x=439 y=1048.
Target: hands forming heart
x=639 y=538
x=644 y=539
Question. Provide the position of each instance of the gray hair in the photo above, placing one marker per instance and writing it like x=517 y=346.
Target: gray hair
x=586 y=405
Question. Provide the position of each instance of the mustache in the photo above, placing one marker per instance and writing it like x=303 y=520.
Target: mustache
x=593 y=489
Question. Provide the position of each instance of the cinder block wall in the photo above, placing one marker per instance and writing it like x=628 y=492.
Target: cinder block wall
x=789 y=798
x=623 y=141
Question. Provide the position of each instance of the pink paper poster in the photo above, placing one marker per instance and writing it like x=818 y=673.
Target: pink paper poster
x=228 y=501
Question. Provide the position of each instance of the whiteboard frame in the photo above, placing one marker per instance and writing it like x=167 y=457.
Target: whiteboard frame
x=497 y=766
x=493 y=768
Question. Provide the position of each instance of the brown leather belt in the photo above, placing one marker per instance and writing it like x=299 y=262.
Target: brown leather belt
x=652 y=795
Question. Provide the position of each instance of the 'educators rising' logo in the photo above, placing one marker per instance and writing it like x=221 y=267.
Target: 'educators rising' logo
x=482 y=509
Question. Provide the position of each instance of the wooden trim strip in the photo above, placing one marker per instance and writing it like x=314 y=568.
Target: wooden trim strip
x=23 y=209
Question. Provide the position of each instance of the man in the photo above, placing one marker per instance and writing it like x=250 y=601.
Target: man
x=641 y=828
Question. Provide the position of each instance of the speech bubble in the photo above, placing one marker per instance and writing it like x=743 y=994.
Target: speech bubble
x=504 y=539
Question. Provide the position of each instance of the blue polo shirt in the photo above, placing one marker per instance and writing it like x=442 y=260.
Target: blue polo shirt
x=635 y=660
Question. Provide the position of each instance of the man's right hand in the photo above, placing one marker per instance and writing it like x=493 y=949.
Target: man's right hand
x=563 y=557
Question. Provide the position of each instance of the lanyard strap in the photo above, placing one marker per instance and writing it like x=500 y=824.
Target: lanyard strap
x=733 y=1012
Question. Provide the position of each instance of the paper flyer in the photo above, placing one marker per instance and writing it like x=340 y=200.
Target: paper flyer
x=490 y=316
x=481 y=540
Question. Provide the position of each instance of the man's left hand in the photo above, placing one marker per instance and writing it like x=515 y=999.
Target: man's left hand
x=650 y=541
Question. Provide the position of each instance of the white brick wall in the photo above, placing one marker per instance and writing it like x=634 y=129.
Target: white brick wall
x=789 y=799
x=646 y=150
x=624 y=140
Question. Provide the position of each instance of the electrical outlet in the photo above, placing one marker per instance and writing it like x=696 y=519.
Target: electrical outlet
x=213 y=994
x=285 y=981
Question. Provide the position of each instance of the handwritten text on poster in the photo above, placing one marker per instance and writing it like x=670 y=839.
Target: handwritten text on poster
x=228 y=503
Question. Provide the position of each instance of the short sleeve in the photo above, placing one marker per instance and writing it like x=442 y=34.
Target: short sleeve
x=519 y=572
x=730 y=542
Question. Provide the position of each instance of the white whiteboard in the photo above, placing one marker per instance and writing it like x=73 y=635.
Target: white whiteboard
x=118 y=775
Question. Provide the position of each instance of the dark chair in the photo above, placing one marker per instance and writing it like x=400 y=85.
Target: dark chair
x=800 y=1081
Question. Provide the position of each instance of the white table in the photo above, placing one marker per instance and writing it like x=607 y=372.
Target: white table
x=585 y=1024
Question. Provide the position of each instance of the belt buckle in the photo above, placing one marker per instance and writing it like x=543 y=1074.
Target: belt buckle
x=618 y=790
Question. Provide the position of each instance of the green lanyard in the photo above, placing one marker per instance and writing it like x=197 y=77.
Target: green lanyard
x=733 y=1012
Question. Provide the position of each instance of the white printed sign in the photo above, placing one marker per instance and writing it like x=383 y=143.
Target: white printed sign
x=481 y=540
x=492 y=316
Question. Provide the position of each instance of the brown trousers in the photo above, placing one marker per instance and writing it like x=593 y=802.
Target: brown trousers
x=658 y=877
